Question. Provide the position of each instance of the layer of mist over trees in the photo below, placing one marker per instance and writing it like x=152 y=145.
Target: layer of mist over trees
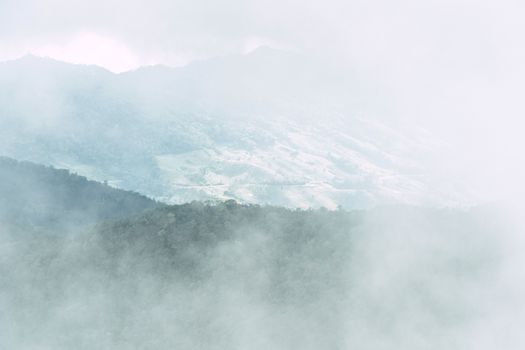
x=121 y=271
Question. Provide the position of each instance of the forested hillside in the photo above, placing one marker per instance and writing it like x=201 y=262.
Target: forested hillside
x=231 y=276
x=38 y=197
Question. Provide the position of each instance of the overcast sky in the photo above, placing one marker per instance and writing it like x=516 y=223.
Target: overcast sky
x=121 y=34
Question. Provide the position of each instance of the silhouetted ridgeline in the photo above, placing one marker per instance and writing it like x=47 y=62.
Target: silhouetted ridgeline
x=40 y=196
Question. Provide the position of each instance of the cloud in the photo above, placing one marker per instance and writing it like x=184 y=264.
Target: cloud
x=90 y=48
x=453 y=66
x=391 y=38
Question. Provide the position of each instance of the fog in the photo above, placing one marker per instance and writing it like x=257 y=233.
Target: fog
x=390 y=278
x=453 y=67
x=407 y=114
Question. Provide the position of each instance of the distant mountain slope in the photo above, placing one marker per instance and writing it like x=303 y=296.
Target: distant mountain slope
x=40 y=197
x=270 y=127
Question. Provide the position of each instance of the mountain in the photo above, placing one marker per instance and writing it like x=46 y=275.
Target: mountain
x=269 y=127
x=36 y=198
x=230 y=276
x=84 y=265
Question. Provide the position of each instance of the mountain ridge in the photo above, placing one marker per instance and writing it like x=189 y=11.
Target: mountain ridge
x=216 y=122
x=37 y=197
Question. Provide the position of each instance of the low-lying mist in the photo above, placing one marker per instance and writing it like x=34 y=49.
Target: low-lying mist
x=230 y=276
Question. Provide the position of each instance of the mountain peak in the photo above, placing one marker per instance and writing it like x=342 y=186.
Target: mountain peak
x=32 y=58
x=47 y=64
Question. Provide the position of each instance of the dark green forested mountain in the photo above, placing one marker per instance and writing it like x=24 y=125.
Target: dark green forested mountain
x=230 y=276
x=40 y=197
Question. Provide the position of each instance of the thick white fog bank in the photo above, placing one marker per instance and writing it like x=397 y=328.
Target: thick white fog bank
x=201 y=277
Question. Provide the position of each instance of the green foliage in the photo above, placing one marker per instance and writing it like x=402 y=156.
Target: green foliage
x=202 y=275
x=47 y=198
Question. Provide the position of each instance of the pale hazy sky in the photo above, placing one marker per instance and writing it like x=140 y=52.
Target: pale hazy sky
x=379 y=34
